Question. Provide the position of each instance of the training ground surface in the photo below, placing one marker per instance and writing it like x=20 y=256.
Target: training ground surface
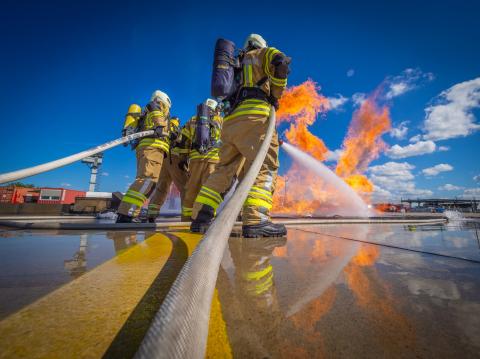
x=332 y=288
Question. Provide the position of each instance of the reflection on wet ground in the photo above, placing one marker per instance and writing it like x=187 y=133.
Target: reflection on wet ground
x=33 y=264
x=317 y=295
x=321 y=292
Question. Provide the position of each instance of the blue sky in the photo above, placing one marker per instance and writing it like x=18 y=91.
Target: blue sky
x=69 y=72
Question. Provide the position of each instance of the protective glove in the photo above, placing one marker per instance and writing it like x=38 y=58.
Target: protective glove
x=274 y=101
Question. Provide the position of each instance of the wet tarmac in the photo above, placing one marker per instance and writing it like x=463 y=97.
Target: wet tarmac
x=336 y=291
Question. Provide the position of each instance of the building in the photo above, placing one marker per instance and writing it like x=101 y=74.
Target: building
x=440 y=204
x=16 y=195
x=59 y=195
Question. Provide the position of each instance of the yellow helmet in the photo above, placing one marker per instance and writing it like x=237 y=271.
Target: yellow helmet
x=175 y=121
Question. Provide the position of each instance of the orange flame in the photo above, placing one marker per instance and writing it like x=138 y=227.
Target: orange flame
x=363 y=143
x=300 y=106
x=300 y=191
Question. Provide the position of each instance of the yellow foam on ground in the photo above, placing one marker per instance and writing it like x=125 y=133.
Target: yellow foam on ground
x=82 y=318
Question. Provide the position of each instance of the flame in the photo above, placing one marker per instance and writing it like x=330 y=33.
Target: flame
x=363 y=142
x=300 y=106
x=300 y=191
x=359 y=183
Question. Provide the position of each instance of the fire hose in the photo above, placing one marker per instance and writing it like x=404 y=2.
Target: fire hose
x=180 y=327
x=27 y=172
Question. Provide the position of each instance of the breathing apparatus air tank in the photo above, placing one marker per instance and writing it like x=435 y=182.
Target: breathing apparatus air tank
x=224 y=63
x=132 y=116
x=202 y=129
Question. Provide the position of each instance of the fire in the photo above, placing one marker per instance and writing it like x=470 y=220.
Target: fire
x=300 y=191
x=300 y=106
x=363 y=143
x=359 y=183
x=301 y=137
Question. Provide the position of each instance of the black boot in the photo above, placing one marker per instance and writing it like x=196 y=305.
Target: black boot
x=203 y=221
x=266 y=229
x=151 y=219
x=121 y=218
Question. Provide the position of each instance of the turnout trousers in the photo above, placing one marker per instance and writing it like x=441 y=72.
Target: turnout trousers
x=170 y=172
x=149 y=165
x=198 y=173
x=242 y=137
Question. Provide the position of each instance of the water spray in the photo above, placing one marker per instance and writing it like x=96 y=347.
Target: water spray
x=355 y=204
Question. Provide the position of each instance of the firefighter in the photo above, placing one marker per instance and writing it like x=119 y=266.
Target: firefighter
x=173 y=170
x=256 y=294
x=202 y=141
x=263 y=80
x=150 y=153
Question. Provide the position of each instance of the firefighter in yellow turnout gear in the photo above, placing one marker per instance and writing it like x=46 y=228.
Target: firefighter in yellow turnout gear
x=173 y=170
x=150 y=153
x=202 y=141
x=264 y=78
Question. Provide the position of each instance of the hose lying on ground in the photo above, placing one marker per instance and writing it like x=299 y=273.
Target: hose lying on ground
x=180 y=327
x=27 y=172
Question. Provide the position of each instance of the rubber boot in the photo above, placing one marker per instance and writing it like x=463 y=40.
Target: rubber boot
x=203 y=221
x=266 y=229
x=121 y=218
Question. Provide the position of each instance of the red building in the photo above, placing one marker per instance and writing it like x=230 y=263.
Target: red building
x=59 y=195
x=15 y=194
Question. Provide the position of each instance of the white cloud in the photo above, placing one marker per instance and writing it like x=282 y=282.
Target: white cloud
x=106 y=174
x=64 y=184
x=350 y=72
x=471 y=193
x=397 y=89
x=126 y=176
x=399 y=132
x=415 y=138
x=443 y=148
x=393 y=169
x=333 y=155
x=395 y=179
x=415 y=149
x=452 y=116
x=449 y=187
x=358 y=98
x=381 y=194
x=407 y=81
x=435 y=170
x=337 y=102
x=476 y=178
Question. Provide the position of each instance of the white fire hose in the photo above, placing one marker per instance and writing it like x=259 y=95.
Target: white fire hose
x=27 y=172
x=180 y=327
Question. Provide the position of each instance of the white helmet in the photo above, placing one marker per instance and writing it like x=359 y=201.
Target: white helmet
x=256 y=41
x=161 y=97
x=211 y=104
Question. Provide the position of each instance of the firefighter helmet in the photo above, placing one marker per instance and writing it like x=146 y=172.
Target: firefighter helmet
x=256 y=41
x=160 y=96
x=211 y=104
